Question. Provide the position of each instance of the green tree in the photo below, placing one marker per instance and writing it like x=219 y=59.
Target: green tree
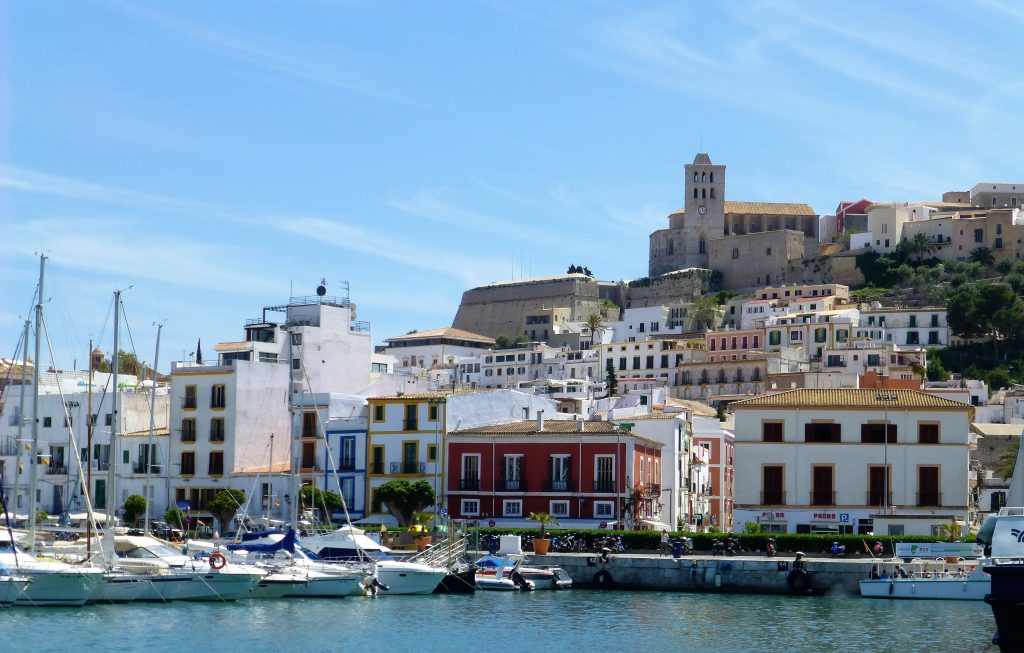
x=510 y=342
x=325 y=501
x=134 y=506
x=1015 y=281
x=610 y=380
x=936 y=371
x=175 y=516
x=998 y=378
x=983 y=256
x=404 y=499
x=225 y=504
x=704 y=312
x=965 y=311
x=921 y=246
x=595 y=323
x=1004 y=266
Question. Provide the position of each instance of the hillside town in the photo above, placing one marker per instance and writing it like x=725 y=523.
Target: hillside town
x=777 y=370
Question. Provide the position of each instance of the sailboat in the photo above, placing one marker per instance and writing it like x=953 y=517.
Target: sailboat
x=51 y=583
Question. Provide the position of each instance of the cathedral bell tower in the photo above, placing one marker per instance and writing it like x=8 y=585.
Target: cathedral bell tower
x=704 y=216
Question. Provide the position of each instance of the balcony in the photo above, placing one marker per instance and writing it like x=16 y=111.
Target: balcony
x=410 y=425
x=604 y=486
x=377 y=467
x=469 y=484
x=653 y=489
x=512 y=485
x=406 y=467
x=823 y=498
x=56 y=470
x=927 y=499
x=564 y=485
x=773 y=498
x=877 y=498
x=140 y=468
x=347 y=463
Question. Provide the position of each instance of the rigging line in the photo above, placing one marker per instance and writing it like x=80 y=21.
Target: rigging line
x=70 y=333
x=106 y=320
x=138 y=365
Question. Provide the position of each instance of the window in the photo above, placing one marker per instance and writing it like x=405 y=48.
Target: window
x=188 y=463
x=768 y=251
x=217 y=396
x=622 y=363
x=47 y=422
x=933 y=338
x=771 y=431
x=217 y=429
x=650 y=362
x=216 y=465
x=512 y=473
x=512 y=508
x=979 y=235
x=604 y=473
x=432 y=413
x=822 y=485
x=188 y=429
x=69 y=422
x=470 y=472
x=377 y=460
x=411 y=417
x=772 y=485
x=842 y=335
x=875 y=433
x=561 y=475
x=560 y=508
x=878 y=484
x=928 y=486
x=431 y=453
x=775 y=338
x=190 y=397
x=822 y=432
x=470 y=507
x=927 y=433
x=796 y=336
x=913 y=338
x=604 y=510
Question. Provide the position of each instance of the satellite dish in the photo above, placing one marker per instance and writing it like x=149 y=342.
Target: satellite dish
x=321 y=290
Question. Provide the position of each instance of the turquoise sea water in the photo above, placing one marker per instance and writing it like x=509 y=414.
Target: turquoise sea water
x=578 y=621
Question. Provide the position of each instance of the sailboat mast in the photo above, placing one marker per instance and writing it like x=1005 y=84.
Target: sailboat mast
x=32 y=472
x=152 y=420
x=21 y=414
x=116 y=416
x=88 y=457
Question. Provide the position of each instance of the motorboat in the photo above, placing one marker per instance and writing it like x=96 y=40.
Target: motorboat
x=395 y=577
x=1003 y=533
x=965 y=581
x=509 y=555
x=52 y=583
x=344 y=544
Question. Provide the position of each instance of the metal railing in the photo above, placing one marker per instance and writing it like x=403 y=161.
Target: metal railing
x=564 y=485
x=140 y=468
x=512 y=485
x=376 y=467
x=56 y=469
x=929 y=499
x=410 y=425
x=405 y=467
x=360 y=326
x=605 y=486
x=472 y=484
x=878 y=498
x=773 y=498
x=823 y=498
x=347 y=463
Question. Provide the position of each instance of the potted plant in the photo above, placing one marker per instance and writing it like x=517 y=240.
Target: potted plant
x=540 y=544
x=422 y=537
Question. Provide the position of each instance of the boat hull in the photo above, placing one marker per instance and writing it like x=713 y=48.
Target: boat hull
x=70 y=588
x=1007 y=608
x=201 y=586
x=953 y=589
x=408 y=578
x=327 y=588
x=461 y=582
x=11 y=588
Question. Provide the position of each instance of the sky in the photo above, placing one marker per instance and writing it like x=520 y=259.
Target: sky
x=211 y=158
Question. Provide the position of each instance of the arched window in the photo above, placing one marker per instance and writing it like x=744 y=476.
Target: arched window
x=711 y=177
x=695 y=176
x=712 y=193
x=701 y=246
x=703 y=193
x=703 y=176
x=694 y=193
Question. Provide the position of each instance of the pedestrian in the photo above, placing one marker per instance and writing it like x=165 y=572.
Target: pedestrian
x=663 y=549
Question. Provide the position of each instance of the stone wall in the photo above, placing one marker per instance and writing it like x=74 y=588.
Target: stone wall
x=674 y=288
x=736 y=574
x=756 y=259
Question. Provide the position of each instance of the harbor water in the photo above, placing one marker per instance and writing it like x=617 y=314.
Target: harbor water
x=577 y=620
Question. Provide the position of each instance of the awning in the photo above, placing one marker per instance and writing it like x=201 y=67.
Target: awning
x=83 y=516
x=656 y=525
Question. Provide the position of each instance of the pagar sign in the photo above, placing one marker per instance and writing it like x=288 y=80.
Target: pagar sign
x=938 y=550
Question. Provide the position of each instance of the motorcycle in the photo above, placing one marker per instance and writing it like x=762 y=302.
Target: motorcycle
x=838 y=550
x=681 y=546
x=732 y=546
x=717 y=548
x=770 y=547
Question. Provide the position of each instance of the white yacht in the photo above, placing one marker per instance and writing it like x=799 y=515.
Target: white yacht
x=11 y=588
x=51 y=582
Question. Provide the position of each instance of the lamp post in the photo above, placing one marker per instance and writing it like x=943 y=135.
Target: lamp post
x=885 y=398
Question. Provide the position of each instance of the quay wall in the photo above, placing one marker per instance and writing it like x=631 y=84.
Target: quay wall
x=726 y=574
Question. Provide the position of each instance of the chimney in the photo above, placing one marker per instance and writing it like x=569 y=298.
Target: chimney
x=580 y=424
x=540 y=420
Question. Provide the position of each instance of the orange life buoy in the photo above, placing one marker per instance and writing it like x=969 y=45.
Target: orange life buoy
x=217 y=560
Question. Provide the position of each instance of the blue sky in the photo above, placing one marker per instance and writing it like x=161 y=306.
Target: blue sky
x=213 y=155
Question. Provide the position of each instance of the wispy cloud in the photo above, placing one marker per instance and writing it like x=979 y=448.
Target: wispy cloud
x=429 y=204
x=427 y=256
x=261 y=55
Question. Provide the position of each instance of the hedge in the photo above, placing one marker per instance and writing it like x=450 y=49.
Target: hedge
x=751 y=543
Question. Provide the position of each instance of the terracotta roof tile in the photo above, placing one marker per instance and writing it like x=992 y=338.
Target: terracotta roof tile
x=552 y=427
x=447 y=332
x=849 y=398
x=764 y=208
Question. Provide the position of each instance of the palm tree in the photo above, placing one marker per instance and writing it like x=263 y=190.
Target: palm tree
x=595 y=323
x=921 y=245
x=982 y=255
x=704 y=312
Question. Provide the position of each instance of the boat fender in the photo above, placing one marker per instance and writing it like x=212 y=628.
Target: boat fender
x=217 y=560
x=892 y=586
x=603 y=579
x=798 y=581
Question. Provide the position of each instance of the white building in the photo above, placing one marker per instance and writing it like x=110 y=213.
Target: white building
x=819 y=460
x=672 y=430
x=905 y=327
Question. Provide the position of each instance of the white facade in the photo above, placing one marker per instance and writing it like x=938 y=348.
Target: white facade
x=811 y=460
x=926 y=327
x=672 y=430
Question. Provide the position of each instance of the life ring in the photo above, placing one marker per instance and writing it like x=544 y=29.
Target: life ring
x=798 y=581
x=603 y=579
x=217 y=560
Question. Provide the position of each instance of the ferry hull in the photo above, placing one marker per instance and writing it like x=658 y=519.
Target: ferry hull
x=954 y=589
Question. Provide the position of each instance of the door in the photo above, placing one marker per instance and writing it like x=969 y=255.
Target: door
x=604 y=474
x=560 y=473
x=513 y=473
x=821 y=493
x=772 y=493
x=377 y=466
x=409 y=455
x=410 y=417
x=99 y=495
x=877 y=487
x=928 y=486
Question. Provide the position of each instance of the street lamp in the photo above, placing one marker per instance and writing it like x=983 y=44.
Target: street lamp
x=885 y=398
